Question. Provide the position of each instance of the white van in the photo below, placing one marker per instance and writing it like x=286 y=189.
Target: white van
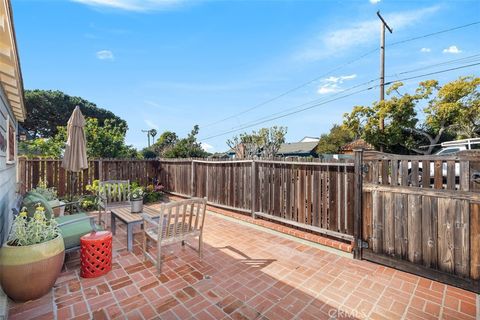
x=452 y=147
x=448 y=148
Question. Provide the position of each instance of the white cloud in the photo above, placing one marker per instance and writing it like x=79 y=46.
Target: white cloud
x=328 y=88
x=207 y=147
x=452 y=49
x=151 y=124
x=332 y=84
x=374 y=1
x=133 y=5
x=425 y=50
x=152 y=104
x=105 y=55
x=333 y=42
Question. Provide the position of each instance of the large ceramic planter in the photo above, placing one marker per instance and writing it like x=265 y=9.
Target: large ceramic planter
x=29 y=272
x=137 y=205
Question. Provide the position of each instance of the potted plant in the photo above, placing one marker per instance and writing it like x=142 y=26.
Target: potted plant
x=50 y=194
x=136 y=199
x=32 y=258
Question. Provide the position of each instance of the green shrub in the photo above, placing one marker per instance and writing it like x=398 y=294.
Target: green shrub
x=48 y=193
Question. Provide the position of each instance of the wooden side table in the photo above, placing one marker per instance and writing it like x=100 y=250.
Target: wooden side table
x=125 y=215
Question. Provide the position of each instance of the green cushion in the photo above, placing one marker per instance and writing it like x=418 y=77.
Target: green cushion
x=71 y=233
x=31 y=200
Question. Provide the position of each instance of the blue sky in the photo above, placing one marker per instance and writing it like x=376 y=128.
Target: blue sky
x=171 y=64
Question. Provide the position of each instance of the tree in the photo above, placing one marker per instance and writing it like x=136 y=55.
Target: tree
x=47 y=110
x=103 y=141
x=265 y=143
x=455 y=108
x=165 y=142
x=148 y=153
x=41 y=147
x=187 y=147
x=451 y=111
x=331 y=142
x=270 y=140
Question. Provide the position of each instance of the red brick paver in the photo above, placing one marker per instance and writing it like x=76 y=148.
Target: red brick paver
x=246 y=273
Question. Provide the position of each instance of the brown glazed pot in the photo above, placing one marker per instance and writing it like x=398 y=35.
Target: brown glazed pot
x=29 y=272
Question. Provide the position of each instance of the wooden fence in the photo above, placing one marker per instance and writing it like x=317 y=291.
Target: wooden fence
x=422 y=214
x=312 y=195
x=32 y=171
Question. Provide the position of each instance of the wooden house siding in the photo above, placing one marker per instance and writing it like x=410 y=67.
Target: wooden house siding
x=8 y=178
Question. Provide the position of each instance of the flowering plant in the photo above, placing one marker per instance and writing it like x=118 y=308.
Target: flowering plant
x=48 y=193
x=32 y=230
x=137 y=194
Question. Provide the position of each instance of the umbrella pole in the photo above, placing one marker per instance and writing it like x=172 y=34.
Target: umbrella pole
x=72 y=179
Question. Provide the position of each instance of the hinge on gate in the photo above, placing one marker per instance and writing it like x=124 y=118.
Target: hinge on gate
x=362 y=244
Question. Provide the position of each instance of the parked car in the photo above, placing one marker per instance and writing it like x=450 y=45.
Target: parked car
x=449 y=148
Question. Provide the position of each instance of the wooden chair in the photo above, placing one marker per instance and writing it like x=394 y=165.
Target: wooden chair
x=112 y=194
x=176 y=222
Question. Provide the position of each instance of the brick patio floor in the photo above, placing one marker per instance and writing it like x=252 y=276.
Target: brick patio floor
x=246 y=273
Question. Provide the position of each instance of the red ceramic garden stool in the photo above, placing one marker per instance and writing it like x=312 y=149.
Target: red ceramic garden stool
x=96 y=254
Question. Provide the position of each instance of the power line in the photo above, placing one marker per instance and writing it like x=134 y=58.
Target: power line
x=335 y=99
x=287 y=114
x=310 y=102
x=470 y=59
x=435 y=72
x=463 y=60
x=434 y=33
x=291 y=90
x=339 y=67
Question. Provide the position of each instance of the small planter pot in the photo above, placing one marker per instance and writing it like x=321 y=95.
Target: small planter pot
x=29 y=272
x=59 y=207
x=137 y=205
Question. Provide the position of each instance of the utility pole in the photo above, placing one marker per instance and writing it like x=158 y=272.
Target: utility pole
x=151 y=132
x=148 y=136
x=382 y=65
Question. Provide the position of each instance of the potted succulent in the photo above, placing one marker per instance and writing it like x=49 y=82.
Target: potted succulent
x=136 y=199
x=32 y=258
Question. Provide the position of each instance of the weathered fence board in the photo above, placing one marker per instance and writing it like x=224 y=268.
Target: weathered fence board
x=310 y=195
x=424 y=211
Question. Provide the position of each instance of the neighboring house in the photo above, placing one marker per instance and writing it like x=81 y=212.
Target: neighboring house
x=356 y=144
x=298 y=149
x=304 y=148
x=12 y=110
x=310 y=139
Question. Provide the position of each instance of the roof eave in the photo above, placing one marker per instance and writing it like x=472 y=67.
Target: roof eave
x=10 y=70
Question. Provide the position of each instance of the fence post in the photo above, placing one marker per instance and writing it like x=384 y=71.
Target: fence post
x=192 y=179
x=253 y=189
x=357 y=206
x=100 y=170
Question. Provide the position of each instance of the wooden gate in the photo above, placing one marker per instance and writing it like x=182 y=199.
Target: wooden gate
x=421 y=214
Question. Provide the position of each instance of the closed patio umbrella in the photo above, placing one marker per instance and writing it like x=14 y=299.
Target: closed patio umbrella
x=75 y=157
